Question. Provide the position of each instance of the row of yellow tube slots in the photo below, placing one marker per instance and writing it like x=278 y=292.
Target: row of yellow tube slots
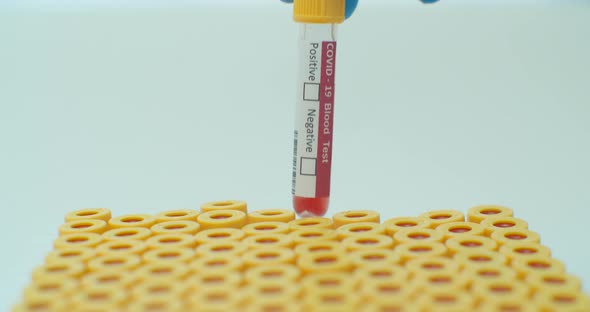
x=224 y=258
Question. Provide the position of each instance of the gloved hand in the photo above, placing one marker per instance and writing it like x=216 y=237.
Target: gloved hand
x=351 y=5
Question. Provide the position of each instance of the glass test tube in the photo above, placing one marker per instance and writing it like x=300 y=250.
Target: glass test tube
x=313 y=143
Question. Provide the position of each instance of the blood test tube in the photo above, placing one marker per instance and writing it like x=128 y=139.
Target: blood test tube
x=314 y=114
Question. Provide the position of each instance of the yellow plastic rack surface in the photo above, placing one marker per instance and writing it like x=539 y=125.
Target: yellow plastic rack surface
x=223 y=258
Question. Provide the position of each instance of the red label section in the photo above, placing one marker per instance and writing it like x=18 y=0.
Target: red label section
x=326 y=119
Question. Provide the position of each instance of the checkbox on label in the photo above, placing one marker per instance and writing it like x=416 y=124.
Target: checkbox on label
x=307 y=166
x=311 y=91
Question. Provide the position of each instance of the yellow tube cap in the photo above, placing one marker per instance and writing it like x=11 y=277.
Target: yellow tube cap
x=319 y=11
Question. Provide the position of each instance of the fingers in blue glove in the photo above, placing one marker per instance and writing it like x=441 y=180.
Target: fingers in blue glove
x=350 y=7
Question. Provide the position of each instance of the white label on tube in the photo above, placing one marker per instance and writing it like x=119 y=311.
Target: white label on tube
x=312 y=158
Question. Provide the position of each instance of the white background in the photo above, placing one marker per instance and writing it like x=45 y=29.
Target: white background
x=143 y=110
x=272 y=3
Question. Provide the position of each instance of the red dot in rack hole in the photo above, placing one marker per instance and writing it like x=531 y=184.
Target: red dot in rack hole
x=440 y=280
x=504 y=224
x=310 y=207
x=488 y=273
x=471 y=244
x=374 y=257
x=460 y=229
x=445 y=299
x=389 y=289
x=420 y=249
x=564 y=299
x=418 y=236
x=480 y=258
x=539 y=265
x=490 y=212
x=432 y=266
x=500 y=288
x=526 y=251
x=440 y=217
x=406 y=224
x=554 y=280
x=515 y=236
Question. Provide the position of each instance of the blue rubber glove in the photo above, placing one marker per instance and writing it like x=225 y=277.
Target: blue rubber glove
x=350 y=6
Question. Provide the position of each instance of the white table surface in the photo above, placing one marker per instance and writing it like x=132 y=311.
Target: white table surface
x=155 y=109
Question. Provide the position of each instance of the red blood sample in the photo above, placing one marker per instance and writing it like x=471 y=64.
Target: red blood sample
x=310 y=207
